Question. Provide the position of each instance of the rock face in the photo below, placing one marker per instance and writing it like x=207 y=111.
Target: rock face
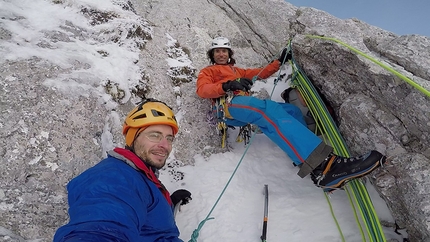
x=378 y=110
x=49 y=136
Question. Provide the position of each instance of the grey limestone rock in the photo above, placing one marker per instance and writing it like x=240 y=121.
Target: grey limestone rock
x=48 y=135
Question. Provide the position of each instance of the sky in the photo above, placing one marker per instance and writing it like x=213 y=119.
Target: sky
x=398 y=16
x=297 y=210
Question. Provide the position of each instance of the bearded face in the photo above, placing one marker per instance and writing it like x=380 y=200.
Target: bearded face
x=154 y=144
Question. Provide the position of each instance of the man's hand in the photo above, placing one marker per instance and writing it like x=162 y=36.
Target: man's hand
x=243 y=84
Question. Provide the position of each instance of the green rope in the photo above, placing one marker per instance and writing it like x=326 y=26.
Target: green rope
x=319 y=127
x=318 y=113
x=369 y=209
x=356 y=185
x=321 y=114
x=195 y=234
x=334 y=216
x=386 y=67
x=348 y=193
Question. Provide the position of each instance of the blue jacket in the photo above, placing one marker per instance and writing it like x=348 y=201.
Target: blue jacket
x=113 y=201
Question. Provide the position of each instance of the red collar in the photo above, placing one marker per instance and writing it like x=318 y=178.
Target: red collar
x=145 y=169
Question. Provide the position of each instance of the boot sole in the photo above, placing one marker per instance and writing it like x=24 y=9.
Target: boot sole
x=341 y=181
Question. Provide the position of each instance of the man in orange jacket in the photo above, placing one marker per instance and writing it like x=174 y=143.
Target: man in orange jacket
x=283 y=123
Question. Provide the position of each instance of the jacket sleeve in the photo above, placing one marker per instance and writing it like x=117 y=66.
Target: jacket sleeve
x=206 y=87
x=261 y=73
x=102 y=208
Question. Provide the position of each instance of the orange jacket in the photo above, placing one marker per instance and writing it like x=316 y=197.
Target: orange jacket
x=211 y=78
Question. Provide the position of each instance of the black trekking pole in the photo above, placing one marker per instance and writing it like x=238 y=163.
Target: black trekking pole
x=266 y=211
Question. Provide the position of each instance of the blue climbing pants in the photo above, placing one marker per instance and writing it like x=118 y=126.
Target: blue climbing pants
x=283 y=123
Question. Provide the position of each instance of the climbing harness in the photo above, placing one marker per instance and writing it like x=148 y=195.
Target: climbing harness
x=220 y=109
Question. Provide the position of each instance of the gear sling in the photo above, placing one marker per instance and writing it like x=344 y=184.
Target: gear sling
x=220 y=110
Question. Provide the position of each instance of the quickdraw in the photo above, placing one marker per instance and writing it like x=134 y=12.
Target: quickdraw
x=220 y=107
x=221 y=113
x=244 y=134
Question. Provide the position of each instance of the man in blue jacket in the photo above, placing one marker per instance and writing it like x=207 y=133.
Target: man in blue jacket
x=121 y=198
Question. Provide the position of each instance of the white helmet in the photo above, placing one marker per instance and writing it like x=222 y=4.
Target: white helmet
x=220 y=42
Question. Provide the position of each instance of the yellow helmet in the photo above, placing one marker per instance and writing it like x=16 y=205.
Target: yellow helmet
x=148 y=112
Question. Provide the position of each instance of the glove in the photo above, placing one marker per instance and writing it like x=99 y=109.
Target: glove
x=182 y=196
x=285 y=55
x=243 y=84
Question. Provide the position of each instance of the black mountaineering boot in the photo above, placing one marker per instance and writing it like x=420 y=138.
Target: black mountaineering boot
x=336 y=170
